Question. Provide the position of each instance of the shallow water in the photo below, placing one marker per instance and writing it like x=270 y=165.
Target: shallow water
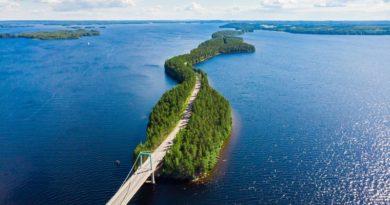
x=312 y=117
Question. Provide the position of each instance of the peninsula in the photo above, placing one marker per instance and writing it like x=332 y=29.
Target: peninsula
x=317 y=27
x=196 y=147
x=53 y=35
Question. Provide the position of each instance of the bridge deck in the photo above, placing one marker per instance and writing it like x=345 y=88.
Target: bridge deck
x=134 y=183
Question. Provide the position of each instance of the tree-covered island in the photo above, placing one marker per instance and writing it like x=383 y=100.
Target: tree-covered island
x=196 y=148
x=315 y=27
x=53 y=35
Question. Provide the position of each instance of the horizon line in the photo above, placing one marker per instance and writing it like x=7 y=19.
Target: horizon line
x=187 y=20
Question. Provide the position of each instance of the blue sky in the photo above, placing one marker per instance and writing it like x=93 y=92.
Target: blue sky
x=196 y=9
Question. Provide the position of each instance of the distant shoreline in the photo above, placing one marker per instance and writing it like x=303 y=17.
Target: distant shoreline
x=319 y=28
x=53 y=35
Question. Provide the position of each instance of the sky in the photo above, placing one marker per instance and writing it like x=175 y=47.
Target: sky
x=195 y=10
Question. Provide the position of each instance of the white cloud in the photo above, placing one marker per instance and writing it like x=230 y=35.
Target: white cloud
x=77 y=5
x=305 y=4
x=277 y=3
x=9 y=5
x=331 y=3
x=233 y=9
x=195 y=7
x=154 y=9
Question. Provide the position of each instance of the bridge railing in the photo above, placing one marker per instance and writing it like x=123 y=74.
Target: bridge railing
x=142 y=156
x=138 y=163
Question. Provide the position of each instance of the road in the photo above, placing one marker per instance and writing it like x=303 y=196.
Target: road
x=134 y=183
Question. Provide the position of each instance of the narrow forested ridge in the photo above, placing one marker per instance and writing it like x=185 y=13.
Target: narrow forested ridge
x=196 y=148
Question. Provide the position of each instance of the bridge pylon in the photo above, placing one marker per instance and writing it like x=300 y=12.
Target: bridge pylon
x=148 y=156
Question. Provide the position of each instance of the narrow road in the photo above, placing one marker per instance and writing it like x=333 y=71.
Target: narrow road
x=134 y=183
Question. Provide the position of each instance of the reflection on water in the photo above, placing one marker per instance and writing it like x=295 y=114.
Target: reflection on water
x=315 y=119
x=357 y=160
x=313 y=113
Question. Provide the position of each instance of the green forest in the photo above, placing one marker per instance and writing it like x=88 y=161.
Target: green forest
x=54 y=35
x=211 y=121
x=316 y=27
x=196 y=149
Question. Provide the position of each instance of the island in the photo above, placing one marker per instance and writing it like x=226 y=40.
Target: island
x=53 y=35
x=317 y=27
x=196 y=148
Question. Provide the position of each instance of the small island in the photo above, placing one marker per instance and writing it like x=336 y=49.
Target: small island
x=308 y=27
x=53 y=35
x=196 y=148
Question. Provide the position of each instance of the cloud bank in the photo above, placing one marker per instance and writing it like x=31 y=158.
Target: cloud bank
x=77 y=5
x=196 y=9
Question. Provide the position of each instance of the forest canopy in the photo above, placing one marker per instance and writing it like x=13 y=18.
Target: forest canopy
x=54 y=35
x=196 y=148
x=317 y=27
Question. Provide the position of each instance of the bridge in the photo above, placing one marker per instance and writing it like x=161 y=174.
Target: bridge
x=147 y=162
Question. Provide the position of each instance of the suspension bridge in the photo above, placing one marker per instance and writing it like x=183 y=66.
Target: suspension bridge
x=148 y=162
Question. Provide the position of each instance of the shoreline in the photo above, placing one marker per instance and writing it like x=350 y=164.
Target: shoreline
x=225 y=153
x=198 y=148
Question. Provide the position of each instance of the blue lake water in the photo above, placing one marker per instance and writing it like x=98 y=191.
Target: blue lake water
x=312 y=116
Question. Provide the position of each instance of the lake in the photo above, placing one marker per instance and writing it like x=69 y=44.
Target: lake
x=312 y=116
